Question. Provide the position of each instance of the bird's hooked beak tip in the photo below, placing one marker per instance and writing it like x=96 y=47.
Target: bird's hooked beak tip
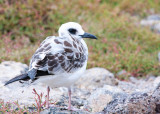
x=88 y=35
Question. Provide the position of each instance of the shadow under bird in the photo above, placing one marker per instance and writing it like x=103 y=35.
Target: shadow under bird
x=60 y=60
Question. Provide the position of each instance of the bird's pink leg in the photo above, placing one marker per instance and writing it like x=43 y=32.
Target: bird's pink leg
x=69 y=103
x=48 y=90
x=69 y=94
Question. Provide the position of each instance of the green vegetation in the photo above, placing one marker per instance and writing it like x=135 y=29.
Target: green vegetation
x=122 y=45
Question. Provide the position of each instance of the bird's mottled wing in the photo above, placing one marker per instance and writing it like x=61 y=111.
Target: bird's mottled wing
x=59 y=55
x=47 y=48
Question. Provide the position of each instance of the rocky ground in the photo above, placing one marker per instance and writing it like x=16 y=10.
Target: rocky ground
x=98 y=91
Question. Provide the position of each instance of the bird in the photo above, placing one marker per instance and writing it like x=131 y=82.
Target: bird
x=60 y=60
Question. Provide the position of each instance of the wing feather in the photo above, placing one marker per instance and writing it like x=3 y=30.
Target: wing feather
x=58 y=55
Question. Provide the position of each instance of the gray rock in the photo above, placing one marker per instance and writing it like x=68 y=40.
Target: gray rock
x=156 y=27
x=153 y=17
x=153 y=21
x=150 y=20
x=122 y=72
x=146 y=85
x=150 y=78
x=10 y=69
x=127 y=86
x=96 y=77
x=156 y=82
x=156 y=98
x=133 y=79
x=159 y=56
x=57 y=110
x=102 y=96
x=140 y=103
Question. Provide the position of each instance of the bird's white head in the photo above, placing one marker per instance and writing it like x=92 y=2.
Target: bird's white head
x=75 y=30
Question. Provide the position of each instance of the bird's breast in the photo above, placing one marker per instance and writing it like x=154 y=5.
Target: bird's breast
x=64 y=79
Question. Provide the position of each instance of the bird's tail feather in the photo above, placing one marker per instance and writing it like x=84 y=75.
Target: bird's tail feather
x=17 y=78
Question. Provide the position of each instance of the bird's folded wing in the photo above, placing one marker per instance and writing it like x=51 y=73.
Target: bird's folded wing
x=56 y=56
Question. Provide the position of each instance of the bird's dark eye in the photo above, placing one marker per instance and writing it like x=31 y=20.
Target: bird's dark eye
x=72 y=30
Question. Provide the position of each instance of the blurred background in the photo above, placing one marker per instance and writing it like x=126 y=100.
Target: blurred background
x=126 y=45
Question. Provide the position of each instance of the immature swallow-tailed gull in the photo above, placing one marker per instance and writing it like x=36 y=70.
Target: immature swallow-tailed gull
x=60 y=60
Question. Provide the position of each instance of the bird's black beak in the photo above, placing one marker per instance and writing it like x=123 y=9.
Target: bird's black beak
x=87 y=35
